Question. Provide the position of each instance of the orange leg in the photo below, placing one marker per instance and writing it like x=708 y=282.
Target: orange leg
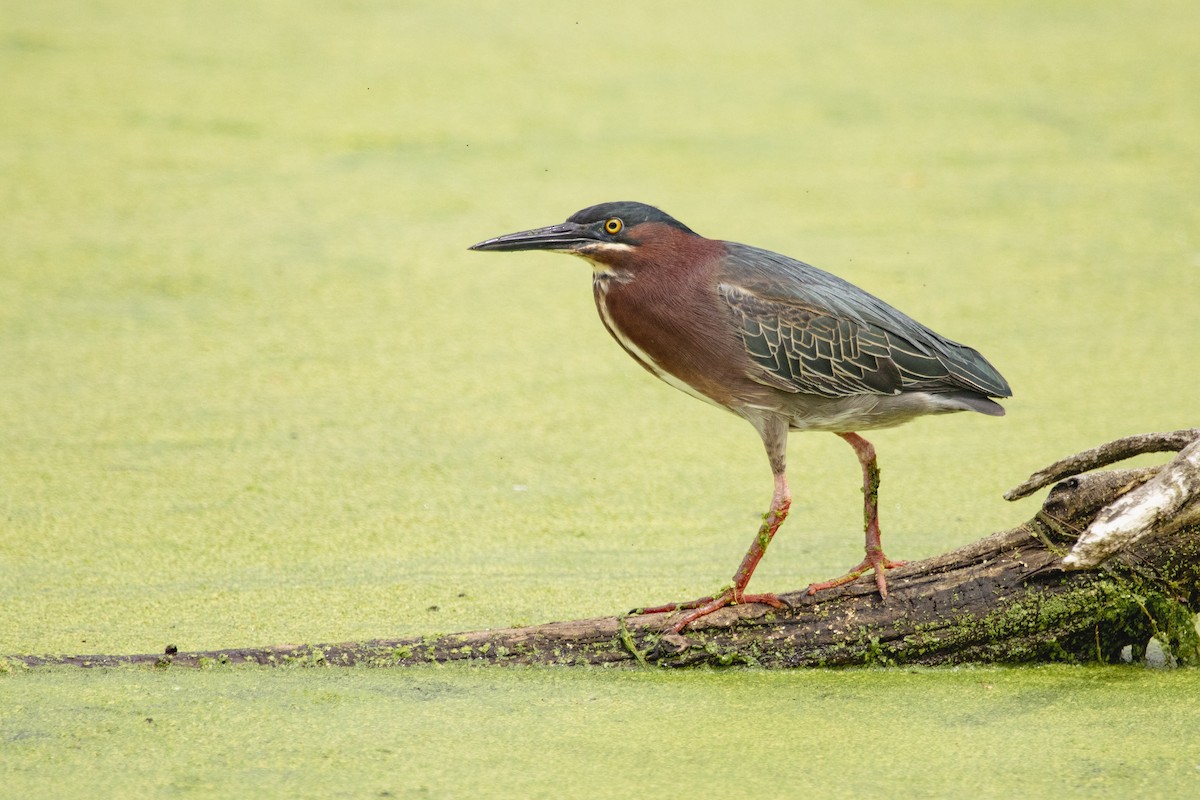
x=781 y=501
x=875 y=559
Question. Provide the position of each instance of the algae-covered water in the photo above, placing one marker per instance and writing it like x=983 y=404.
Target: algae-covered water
x=464 y=732
x=254 y=390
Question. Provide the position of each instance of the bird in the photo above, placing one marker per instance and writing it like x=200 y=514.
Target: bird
x=780 y=343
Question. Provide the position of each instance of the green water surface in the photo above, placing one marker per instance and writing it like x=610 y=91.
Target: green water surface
x=254 y=389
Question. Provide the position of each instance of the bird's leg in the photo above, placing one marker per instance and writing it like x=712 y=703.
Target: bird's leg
x=875 y=559
x=735 y=594
x=781 y=501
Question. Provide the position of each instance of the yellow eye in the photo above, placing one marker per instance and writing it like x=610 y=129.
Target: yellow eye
x=613 y=226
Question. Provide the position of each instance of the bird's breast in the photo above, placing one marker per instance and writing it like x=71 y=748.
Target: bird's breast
x=676 y=330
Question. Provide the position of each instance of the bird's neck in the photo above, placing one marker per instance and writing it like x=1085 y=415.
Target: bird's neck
x=661 y=305
x=604 y=275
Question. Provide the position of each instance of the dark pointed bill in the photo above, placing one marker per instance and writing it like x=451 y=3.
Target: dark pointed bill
x=567 y=236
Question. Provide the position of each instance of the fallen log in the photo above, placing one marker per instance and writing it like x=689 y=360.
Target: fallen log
x=1109 y=563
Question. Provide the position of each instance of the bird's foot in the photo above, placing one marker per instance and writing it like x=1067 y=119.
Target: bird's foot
x=875 y=560
x=704 y=606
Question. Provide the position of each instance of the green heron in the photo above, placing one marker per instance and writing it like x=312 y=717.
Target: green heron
x=782 y=344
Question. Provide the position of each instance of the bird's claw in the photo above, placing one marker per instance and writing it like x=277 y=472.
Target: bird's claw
x=668 y=607
x=704 y=606
x=875 y=560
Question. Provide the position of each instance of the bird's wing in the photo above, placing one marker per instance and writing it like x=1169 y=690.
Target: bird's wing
x=805 y=349
x=811 y=332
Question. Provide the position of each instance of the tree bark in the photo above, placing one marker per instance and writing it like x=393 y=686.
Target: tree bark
x=1110 y=562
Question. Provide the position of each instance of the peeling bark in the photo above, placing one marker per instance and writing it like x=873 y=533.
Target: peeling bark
x=1111 y=560
x=1169 y=499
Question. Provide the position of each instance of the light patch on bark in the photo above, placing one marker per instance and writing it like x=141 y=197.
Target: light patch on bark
x=1139 y=512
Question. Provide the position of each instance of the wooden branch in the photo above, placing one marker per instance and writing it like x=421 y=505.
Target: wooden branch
x=1102 y=456
x=1169 y=500
x=1111 y=560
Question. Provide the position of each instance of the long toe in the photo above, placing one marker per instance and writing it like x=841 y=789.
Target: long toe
x=697 y=603
x=876 y=562
x=850 y=576
x=771 y=600
x=727 y=598
x=704 y=606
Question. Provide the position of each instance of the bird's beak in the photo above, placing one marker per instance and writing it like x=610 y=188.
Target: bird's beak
x=568 y=237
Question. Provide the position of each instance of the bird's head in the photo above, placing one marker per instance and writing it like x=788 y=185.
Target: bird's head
x=608 y=233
